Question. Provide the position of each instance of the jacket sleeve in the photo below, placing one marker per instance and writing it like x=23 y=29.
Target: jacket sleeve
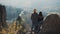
x=32 y=17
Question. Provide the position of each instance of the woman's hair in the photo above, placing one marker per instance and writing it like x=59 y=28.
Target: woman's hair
x=40 y=14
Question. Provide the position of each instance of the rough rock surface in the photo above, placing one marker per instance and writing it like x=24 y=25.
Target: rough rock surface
x=51 y=24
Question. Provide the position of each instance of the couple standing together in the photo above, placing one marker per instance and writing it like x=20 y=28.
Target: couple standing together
x=36 y=21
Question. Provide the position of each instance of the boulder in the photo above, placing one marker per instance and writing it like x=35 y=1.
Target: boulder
x=51 y=24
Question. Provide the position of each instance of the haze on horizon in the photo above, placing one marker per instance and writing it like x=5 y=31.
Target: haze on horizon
x=31 y=3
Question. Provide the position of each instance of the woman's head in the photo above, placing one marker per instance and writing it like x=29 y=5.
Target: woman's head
x=40 y=13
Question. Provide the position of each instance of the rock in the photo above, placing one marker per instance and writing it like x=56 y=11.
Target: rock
x=3 y=24
x=51 y=24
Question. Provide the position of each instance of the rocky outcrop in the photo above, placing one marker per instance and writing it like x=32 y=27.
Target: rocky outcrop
x=51 y=24
x=3 y=23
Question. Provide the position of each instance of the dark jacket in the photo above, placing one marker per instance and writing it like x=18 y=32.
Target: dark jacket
x=34 y=18
x=40 y=18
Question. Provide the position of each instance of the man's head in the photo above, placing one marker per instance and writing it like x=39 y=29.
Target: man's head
x=34 y=10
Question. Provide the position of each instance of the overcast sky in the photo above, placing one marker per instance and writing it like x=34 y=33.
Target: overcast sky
x=31 y=3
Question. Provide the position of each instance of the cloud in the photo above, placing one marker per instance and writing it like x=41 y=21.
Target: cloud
x=31 y=3
x=16 y=3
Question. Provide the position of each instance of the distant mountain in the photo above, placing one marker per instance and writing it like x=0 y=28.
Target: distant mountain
x=50 y=10
x=12 y=12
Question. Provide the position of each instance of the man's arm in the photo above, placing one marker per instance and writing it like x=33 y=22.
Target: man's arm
x=31 y=17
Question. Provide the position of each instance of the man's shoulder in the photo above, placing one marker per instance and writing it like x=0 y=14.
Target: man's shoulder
x=32 y=13
x=36 y=13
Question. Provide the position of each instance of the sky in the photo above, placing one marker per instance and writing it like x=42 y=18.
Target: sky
x=31 y=3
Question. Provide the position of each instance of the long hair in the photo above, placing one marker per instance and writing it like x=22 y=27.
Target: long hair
x=40 y=14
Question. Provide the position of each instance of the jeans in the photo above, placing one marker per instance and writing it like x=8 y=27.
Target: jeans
x=33 y=27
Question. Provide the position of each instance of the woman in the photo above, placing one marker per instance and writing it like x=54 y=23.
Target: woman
x=40 y=21
x=40 y=17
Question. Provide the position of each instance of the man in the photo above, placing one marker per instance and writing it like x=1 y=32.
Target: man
x=34 y=18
